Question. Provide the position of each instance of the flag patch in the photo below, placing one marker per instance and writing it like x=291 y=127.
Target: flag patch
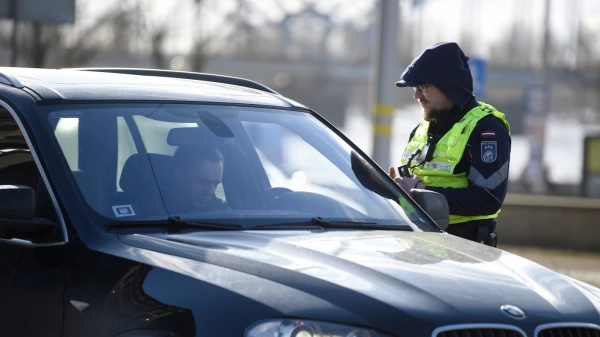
x=489 y=151
x=488 y=134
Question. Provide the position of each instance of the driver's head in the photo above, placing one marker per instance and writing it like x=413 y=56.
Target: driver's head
x=198 y=172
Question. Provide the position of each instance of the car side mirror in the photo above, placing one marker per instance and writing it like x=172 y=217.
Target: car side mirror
x=434 y=204
x=17 y=215
x=17 y=202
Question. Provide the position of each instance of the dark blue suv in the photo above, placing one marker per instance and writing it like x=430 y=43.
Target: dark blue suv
x=141 y=203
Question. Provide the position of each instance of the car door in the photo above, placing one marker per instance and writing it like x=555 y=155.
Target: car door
x=32 y=275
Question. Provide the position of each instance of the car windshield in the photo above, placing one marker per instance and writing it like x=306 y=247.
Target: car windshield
x=239 y=165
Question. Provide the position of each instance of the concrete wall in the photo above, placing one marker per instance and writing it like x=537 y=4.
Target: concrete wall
x=552 y=222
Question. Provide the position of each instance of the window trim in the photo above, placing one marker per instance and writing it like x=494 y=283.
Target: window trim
x=51 y=193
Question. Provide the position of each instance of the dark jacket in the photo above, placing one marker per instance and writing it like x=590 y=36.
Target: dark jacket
x=487 y=180
x=446 y=66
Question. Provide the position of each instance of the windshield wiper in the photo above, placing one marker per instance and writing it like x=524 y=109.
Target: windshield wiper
x=172 y=224
x=321 y=223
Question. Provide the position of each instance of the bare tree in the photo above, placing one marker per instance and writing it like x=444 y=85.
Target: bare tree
x=514 y=49
x=111 y=31
x=156 y=32
x=5 y=34
x=588 y=68
x=207 y=41
x=304 y=32
x=38 y=40
x=588 y=59
x=356 y=46
x=199 y=47
x=43 y=44
x=157 y=43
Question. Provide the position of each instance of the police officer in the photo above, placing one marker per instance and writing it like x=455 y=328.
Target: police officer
x=461 y=148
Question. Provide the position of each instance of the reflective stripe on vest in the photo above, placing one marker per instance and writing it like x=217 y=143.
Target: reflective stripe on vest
x=447 y=153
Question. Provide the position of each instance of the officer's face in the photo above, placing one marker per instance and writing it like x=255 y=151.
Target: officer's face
x=199 y=181
x=433 y=101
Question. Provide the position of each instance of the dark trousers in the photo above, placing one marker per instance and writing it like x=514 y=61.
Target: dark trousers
x=483 y=231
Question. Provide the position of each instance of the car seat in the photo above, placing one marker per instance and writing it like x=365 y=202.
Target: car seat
x=140 y=180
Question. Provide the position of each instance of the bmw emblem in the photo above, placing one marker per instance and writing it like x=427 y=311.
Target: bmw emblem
x=513 y=311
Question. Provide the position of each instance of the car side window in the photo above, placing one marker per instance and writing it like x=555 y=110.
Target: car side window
x=18 y=167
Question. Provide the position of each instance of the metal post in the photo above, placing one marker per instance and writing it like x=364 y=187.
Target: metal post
x=385 y=75
x=537 y=114
x=546 y=45
x=14 y=47
x=540 y=186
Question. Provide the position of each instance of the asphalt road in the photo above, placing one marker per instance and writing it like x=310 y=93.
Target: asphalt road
x=579 y=265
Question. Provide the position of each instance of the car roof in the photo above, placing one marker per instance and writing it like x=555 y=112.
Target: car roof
x=114 y=84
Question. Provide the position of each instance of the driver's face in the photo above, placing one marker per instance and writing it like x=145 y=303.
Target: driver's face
x=199 y=181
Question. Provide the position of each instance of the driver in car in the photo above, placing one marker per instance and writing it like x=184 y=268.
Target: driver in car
x=198 y=172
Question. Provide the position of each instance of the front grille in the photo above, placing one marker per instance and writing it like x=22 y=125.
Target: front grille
x=485 y=332
x=569 y=332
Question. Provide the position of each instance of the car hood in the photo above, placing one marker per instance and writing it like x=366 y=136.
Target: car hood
x=426 y=276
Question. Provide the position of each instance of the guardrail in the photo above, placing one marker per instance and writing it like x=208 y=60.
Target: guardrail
x=552 y=222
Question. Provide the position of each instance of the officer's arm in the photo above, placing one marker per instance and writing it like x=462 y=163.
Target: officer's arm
x=488 y=175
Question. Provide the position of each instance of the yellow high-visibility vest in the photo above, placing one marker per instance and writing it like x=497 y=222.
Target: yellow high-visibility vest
x=439 y=172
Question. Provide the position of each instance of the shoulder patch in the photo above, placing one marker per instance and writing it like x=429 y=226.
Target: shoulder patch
x=489 y=151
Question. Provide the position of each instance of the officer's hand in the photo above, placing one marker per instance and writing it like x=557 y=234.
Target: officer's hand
x=408 y=183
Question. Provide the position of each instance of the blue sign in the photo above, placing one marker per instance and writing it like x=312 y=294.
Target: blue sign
x=479 y=73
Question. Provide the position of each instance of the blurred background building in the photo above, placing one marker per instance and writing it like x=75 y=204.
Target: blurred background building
x=535 y=60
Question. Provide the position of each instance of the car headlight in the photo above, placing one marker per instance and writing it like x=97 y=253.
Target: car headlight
x=301 y=328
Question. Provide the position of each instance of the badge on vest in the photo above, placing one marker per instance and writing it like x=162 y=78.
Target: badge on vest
x=438 y=165
x=489 y=151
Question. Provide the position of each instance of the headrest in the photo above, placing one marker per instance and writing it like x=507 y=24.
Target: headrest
x=142 y=169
